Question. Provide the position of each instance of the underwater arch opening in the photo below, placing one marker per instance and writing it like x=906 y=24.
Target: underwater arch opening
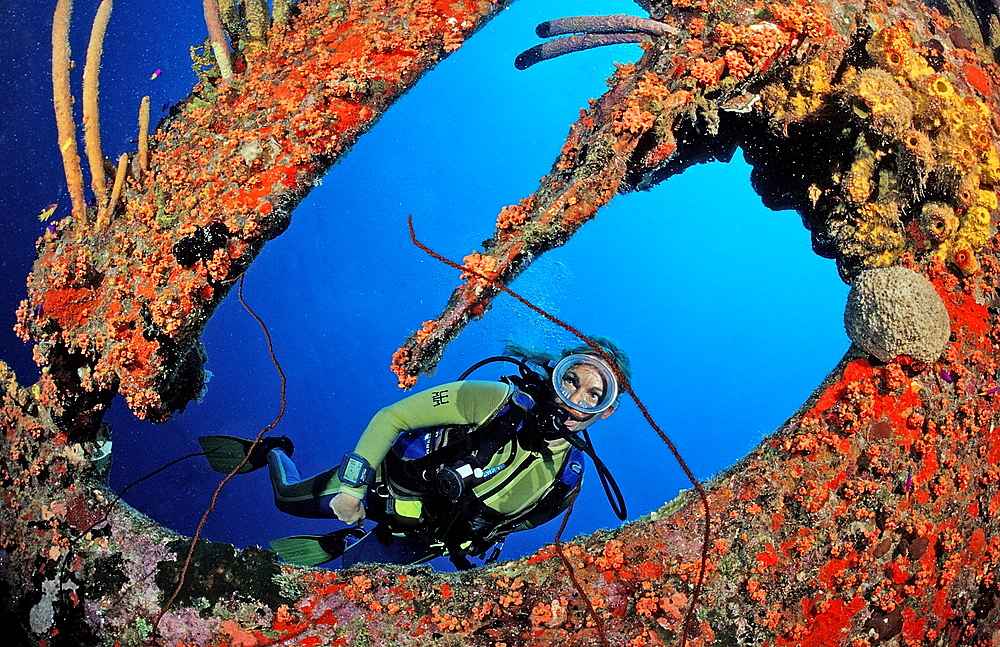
x=639 y=273
x=770 y=480
x=342 y=287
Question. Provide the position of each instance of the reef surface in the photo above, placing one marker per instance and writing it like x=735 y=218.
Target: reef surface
x=868 y=518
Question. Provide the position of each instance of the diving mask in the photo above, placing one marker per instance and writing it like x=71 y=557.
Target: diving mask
x=570 y=382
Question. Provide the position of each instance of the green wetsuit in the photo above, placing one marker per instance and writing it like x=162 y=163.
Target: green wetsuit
x=469 y=402
x=472 y=402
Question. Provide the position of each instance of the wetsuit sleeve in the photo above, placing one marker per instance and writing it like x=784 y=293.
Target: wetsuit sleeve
x=456 y=403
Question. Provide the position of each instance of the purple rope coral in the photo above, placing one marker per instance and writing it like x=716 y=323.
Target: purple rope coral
x=588 y=32
x=574 y=43
x=613 y=24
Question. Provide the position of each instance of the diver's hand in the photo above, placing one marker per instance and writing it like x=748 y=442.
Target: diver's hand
x=348 y=508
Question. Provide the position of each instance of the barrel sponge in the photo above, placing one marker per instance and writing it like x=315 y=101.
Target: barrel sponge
x=895 y=311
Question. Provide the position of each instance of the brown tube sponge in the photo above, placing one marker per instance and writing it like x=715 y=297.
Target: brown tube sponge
x=91 y=94
x=144 y=135
x=63 y=102
x=218 y=39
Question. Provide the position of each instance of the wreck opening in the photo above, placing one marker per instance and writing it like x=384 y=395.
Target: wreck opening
x=672 y=302
x=861 y=497
x=664 y=246
x=335 y=387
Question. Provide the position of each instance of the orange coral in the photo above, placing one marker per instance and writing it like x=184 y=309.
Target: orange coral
x=708 y=73
x=737 y=65
x=801 y=18
x=512 y=216
x=398 y=366
x=426 y=329
x=760 y=41
x=479 y=265
x=696 y=26
x=635 y=120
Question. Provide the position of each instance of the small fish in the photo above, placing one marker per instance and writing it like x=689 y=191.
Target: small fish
x=38 y=311
x=908 y=484
x=165 y=107
x=989 y=391
x=155 y=74
x=946 y=376
x=52 y=229
x=47 y=211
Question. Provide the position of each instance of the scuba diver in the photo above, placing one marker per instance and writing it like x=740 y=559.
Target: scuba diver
x=451 y=470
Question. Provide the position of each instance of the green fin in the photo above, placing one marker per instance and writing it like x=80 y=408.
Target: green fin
x=313 y=550
x=304 y=550
x=224 y=453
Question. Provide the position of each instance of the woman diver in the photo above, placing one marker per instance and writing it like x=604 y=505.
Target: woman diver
x=451 y=470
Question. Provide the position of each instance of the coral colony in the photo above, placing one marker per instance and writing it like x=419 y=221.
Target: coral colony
x=868 y=519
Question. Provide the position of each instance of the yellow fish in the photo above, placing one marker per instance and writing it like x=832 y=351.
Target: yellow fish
x=47 y=212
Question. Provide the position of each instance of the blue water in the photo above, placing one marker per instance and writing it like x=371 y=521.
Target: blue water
x=728 y=316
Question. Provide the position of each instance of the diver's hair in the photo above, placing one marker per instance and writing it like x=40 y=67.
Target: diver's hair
x=540 y=357
x=530 y=353
x=613 y=350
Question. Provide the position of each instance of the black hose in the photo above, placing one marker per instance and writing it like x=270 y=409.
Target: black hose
x=611 y=489
x=488 y=360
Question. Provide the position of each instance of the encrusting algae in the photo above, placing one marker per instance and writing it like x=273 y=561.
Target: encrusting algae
x=868 y=518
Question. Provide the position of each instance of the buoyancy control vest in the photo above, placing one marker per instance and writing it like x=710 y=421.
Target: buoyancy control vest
x=442 y=466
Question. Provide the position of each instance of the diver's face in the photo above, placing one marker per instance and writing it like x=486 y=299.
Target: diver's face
x=583 y=385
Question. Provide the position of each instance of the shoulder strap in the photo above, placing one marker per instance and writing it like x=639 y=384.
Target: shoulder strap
x=415 y=458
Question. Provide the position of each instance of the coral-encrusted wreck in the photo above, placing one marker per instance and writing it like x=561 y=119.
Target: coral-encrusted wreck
x=869 y=518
